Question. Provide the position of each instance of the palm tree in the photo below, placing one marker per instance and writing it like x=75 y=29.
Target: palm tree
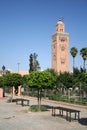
x=83 y=53
x=73 y=52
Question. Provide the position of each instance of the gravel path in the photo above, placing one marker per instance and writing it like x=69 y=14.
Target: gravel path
x=16 y=117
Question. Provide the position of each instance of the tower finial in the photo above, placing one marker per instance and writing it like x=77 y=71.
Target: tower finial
x=61 y=19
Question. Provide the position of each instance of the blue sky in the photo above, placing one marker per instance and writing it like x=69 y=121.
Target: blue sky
x=26 y=26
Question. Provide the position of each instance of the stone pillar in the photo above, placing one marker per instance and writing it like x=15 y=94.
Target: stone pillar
x=19 y=90
x=1 y=92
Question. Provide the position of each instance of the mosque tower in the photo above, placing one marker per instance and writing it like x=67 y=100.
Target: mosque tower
x=60 y=48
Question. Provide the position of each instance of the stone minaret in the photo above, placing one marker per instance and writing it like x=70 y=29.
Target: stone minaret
x=60 y=48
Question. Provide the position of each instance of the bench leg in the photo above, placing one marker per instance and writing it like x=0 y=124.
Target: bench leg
x=78 y=115
x=75 y=115
x=59 y=112
x=53 y=111
x=66 y=115
x=70 y=116
x=27 y=103
x=22 y=103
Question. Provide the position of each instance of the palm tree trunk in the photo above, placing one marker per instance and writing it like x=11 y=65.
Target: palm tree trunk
x=73 y=63
x=84 y=66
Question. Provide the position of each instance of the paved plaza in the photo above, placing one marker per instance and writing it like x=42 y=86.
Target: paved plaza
x=16 y=117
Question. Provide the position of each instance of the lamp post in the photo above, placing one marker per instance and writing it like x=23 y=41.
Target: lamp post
x=3 y=72
x=18 y=66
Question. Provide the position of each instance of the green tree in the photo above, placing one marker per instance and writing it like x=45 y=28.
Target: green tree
x=76 y=71
x=41 y=80
x=66 y=79
x=34 y=64
x=53 y=72
x=3 y=69
x=24 y=80
x=31 y=63
x=83 y=53
x=13 y=79
x=1 y=81
x=80 y=81
x=73 y=52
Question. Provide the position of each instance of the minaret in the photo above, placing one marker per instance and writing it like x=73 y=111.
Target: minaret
x=60 y=48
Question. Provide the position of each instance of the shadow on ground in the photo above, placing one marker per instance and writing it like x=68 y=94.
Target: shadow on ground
x=83 y=121
x=42 y=108
x=48 y=106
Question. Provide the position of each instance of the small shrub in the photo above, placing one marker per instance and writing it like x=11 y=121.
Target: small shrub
x=55 y=97
x=64 y=98
x=72 y=100
x=35 y=108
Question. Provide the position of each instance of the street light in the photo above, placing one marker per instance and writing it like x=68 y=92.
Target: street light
x=18 y=66
x=3 y=72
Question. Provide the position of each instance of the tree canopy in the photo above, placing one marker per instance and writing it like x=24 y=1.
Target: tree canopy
x=1 y=81
x=66 y=79
x=83 y=53
x=41 y=79
x=33 y=62
x=13 y=79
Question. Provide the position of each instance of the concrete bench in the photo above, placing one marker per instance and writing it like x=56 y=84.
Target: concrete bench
x=22 y=101
x=68 y=112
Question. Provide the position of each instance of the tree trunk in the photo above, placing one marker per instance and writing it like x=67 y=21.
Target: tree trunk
x=84 y=66
x=39 y=99
x=73 y=63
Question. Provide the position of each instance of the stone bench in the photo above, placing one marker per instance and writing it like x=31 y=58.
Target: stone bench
x=22 y=101
x=68 y=112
